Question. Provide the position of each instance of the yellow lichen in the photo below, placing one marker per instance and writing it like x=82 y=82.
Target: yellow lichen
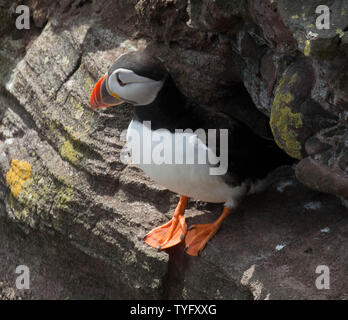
x=88 y=85
x=68 y=152
x=295 y=16
x=78 y=108
x=64 y=196
x=307 y=48
x=35 y=196
x=65 y=60
x=19 y=173
x=293 y=78
x=340 y=33
x=79 y=111
x=283 y=121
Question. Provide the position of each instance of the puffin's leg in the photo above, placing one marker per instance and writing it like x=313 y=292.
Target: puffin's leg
x=171 y=233
x=199 y=234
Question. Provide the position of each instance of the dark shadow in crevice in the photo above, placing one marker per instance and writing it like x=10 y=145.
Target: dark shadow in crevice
x=241 y=107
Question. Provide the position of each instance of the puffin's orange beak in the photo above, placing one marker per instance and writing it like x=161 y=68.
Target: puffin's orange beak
x=100 y=97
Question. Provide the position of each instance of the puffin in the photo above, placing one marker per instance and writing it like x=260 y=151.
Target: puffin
x=168 y=124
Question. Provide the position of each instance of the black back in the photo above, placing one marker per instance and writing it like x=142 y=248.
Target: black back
x=142 y=64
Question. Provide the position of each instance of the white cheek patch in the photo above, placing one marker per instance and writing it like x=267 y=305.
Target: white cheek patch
x=138 y=89
x=142 y=93
x=128 y=76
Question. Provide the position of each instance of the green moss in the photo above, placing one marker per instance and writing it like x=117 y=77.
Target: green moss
x=76 y=104
x=64 y=197
x=72 y=148
x=88 y=85
x=75 y=151
x=68 y=152
x=78 y=114
x=340 y=33
x=38 y=197
x=19 y=214
x=293 y=79
x=85 y=116
x=307 y=48
x=283 y=121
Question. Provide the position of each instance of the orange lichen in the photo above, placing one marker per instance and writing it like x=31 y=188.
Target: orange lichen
x=19 y=173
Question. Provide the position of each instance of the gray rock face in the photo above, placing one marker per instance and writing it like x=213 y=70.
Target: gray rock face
x=61 y=175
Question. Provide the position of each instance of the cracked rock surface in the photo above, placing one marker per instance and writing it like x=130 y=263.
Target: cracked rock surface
x=76 y=215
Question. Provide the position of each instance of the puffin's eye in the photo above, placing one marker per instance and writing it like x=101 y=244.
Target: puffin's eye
x=122 y=84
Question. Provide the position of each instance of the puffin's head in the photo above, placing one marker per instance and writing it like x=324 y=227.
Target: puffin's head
x=135 y=77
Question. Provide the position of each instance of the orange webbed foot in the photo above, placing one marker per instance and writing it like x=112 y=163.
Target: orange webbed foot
x=198 y=235
x=167 y=235
x=171 y=233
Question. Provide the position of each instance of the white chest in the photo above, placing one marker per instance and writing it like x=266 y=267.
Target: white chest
x=172 y=161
